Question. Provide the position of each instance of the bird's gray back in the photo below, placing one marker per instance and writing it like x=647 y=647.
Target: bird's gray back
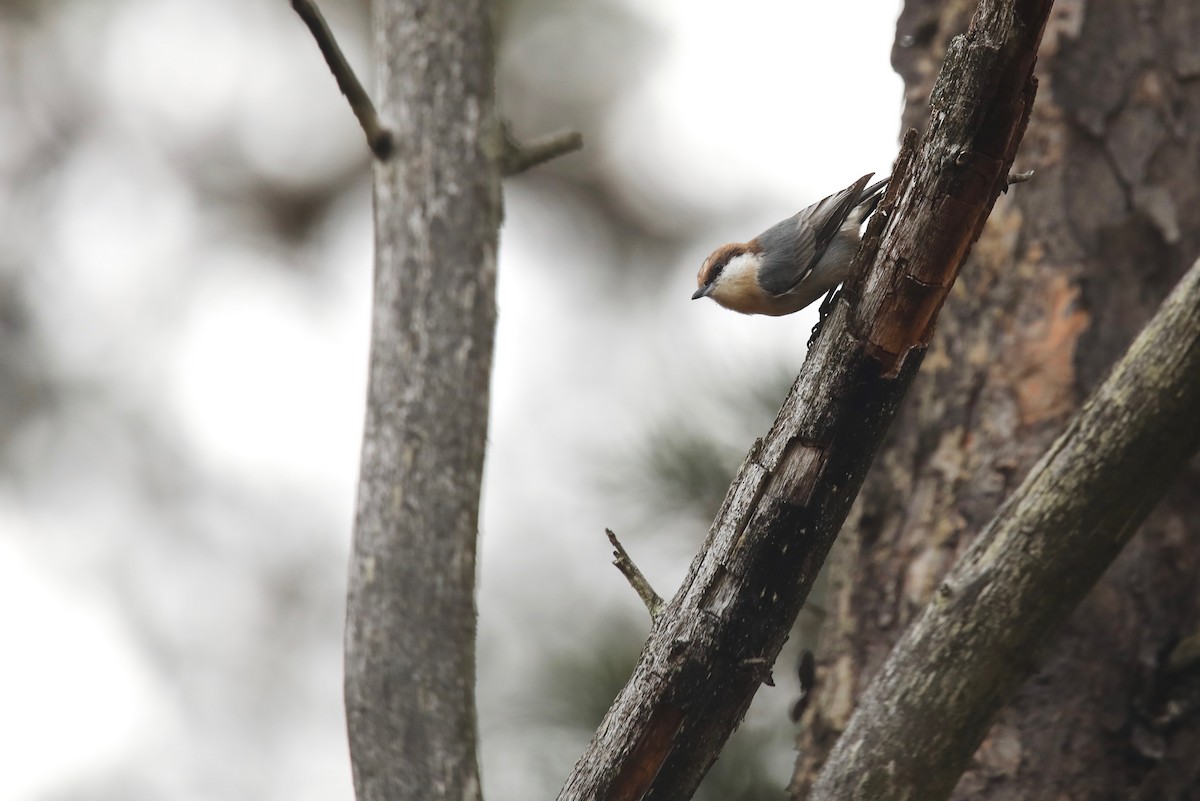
x=793 y=247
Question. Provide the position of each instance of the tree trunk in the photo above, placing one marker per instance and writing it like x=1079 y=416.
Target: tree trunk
x=1072 y=264
x=410 y=636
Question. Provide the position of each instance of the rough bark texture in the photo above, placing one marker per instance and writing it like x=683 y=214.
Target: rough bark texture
x=410 y=636
x=923 y=715
x=1071 y=265
x=717 y=639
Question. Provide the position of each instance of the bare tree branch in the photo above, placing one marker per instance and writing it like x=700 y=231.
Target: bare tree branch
x=922 y=718
x=697 y=675
x=379 y=138
x=410 y=622
x=652 y=600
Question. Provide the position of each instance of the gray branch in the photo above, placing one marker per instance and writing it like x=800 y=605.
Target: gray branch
x=705 y=659
x=410 y=623
x=922 y=718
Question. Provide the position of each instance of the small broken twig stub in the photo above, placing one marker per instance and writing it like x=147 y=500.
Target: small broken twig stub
x=1018 y=178
x=379 y=138
x=517 y=158
x=652 y=600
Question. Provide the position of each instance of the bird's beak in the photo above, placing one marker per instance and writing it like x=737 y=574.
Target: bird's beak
x=701 y=292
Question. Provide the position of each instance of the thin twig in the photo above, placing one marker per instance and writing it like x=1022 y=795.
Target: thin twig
x=652 y=600
x=518 y=158
x=379 y=138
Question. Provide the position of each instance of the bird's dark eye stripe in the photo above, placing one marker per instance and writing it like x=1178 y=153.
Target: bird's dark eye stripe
x=708 y=274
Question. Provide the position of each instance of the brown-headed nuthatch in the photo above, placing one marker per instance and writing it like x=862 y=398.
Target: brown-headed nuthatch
x=794 y=262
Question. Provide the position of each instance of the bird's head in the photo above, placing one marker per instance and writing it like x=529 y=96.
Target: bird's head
x=729 y=276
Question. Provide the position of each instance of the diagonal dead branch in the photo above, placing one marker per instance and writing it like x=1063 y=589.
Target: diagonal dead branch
x=932 y=702
x=379 y=138
x=635 y=577
x=696 y=677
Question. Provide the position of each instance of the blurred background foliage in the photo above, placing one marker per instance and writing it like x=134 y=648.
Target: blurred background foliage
x=184 y=290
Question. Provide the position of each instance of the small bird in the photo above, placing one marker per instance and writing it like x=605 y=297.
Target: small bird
x=794 y=262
